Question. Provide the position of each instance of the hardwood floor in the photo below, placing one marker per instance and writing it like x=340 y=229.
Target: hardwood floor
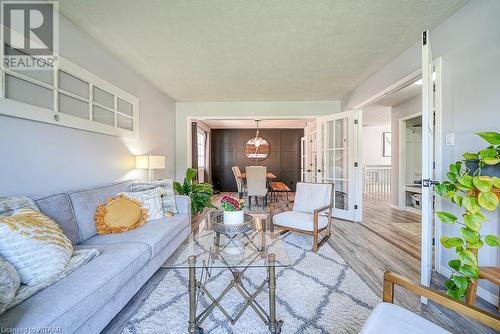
x=369 y=255
x=401 y=228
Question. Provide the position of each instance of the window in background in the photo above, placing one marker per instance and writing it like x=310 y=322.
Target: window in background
x=201 y=140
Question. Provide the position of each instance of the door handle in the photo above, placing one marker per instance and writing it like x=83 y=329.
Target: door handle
x=319 y=170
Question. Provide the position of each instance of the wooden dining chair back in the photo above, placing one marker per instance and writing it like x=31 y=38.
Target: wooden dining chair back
x=239 y=180
x=311 y=213
x=256 y=183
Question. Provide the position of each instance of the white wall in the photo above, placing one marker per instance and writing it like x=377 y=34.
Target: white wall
x=43 y=158
x=409 y=107
x=189 y=110
x=470 y=51
x=373 y=145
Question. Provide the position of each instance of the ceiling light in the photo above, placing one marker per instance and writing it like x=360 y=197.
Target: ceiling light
x=257 y=139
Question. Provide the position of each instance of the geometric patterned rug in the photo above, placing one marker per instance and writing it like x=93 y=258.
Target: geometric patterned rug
x=318 y=293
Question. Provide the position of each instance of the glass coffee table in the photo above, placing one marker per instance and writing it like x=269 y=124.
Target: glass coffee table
x=238 y=249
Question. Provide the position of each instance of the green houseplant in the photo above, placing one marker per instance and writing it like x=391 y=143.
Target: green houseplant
x=200 y=193
x=471 y=188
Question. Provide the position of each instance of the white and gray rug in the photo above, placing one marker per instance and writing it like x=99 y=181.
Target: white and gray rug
x=318 y=293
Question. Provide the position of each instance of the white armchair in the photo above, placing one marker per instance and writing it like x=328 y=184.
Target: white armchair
x=311 y=213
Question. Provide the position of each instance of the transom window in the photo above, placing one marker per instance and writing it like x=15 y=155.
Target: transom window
x=69 y=96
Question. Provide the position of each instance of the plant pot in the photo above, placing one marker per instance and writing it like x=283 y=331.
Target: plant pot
x=234 y=217
x=489 y=170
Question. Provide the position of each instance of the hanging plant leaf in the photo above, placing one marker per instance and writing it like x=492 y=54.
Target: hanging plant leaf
x=466 y=181
x=475 y=245
x=441 y=189
x=452 y=177
x=461 y=282
x=469 y=271
x=488 y=200
x=488 y=153
x=455 y=264
x=491 y=137
x=483 y=183
x=473 y=221
x=458 y=200
x=471 y=156
x=454 y=169
x=468 y=258
x=471 y=204
x=469 y=235
x=446 y=217
x=492 y=240
x=491 y=161
x=496 y=182
x=451 y=242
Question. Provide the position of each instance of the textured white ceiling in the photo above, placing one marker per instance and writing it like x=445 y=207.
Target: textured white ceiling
x=243 y=50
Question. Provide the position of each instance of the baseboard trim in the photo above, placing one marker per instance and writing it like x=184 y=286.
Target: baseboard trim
x=393 y=206
x=481 y=292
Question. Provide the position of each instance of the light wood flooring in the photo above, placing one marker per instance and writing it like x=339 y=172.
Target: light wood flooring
x=369 y=255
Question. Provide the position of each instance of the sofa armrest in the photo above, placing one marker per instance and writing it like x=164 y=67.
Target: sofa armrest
x=183 y=204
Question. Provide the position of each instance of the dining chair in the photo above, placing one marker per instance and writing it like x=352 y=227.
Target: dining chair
x=239 y=181
x=311 y=212
x=256 y=184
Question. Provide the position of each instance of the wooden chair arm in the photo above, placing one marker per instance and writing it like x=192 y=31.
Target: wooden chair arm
x=326 y=207
x=459 y=306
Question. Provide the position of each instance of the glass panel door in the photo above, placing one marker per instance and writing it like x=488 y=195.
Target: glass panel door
x=337 y=159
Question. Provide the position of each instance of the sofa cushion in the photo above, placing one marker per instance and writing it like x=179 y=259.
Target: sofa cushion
x=299 y=220
x=71 y=301
x=388 y=318
x=312 y=196
x=58 y=207
x=85 y=204
x=157 y=234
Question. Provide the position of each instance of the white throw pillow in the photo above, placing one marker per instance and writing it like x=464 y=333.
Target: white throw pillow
x=34 y=244
x=9 y=283
x=151 y=200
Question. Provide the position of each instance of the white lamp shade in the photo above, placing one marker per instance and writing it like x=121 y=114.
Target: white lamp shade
x=150 y=162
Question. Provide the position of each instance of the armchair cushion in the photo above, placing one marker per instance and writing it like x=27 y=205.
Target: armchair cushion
x=389 y=318
x=299 y=220
x=311 y=196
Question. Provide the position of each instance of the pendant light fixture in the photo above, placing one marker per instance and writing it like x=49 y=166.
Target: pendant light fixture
x=257 y=139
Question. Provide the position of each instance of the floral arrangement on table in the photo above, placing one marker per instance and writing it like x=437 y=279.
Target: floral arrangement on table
x=229 y=203
x=233 y=210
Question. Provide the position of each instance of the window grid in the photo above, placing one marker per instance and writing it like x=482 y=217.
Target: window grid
x=57 y=91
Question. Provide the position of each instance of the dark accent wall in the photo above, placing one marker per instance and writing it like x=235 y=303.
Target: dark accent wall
x=228 y=150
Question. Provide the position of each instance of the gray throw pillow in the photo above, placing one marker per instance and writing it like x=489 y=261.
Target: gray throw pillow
x=167 y=199
x=9 y=205
x=9 y=283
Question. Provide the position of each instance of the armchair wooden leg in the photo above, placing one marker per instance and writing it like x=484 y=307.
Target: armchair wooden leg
x=315 y=232
x=470 y=297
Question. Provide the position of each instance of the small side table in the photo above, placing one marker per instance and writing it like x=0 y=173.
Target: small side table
x=278 y=188
x=491 y=274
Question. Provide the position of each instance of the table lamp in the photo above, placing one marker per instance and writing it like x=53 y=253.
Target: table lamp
x=150 y=162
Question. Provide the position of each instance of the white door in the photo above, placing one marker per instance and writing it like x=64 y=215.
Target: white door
x=313 y=157
x=337 y=160
x=303 y=160
x=427 y=161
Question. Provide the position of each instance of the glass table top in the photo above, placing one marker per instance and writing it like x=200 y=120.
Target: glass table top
x=255 y=247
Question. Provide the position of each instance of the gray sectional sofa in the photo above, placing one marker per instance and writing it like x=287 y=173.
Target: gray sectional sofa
x=88 y=299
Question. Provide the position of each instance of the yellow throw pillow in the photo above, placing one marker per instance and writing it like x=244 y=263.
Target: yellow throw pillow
x=34 y=244
x=119 y=214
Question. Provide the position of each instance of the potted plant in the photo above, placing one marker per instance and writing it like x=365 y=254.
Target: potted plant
x=200 y=193
x=233 y=210
x=473 y=185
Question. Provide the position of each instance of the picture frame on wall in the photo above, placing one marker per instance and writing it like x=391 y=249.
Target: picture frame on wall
x=386 y=144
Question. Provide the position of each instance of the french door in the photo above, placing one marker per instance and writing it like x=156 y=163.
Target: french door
x=337 y=161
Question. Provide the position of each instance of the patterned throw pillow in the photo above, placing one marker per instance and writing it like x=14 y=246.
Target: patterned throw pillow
x=168 y=198
x=34 y=244
x=9 y=205
x=9 y=283
x=151 y=200
x=119 y=214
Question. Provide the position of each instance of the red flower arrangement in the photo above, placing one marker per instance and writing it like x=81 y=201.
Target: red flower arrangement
x=229 y=203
